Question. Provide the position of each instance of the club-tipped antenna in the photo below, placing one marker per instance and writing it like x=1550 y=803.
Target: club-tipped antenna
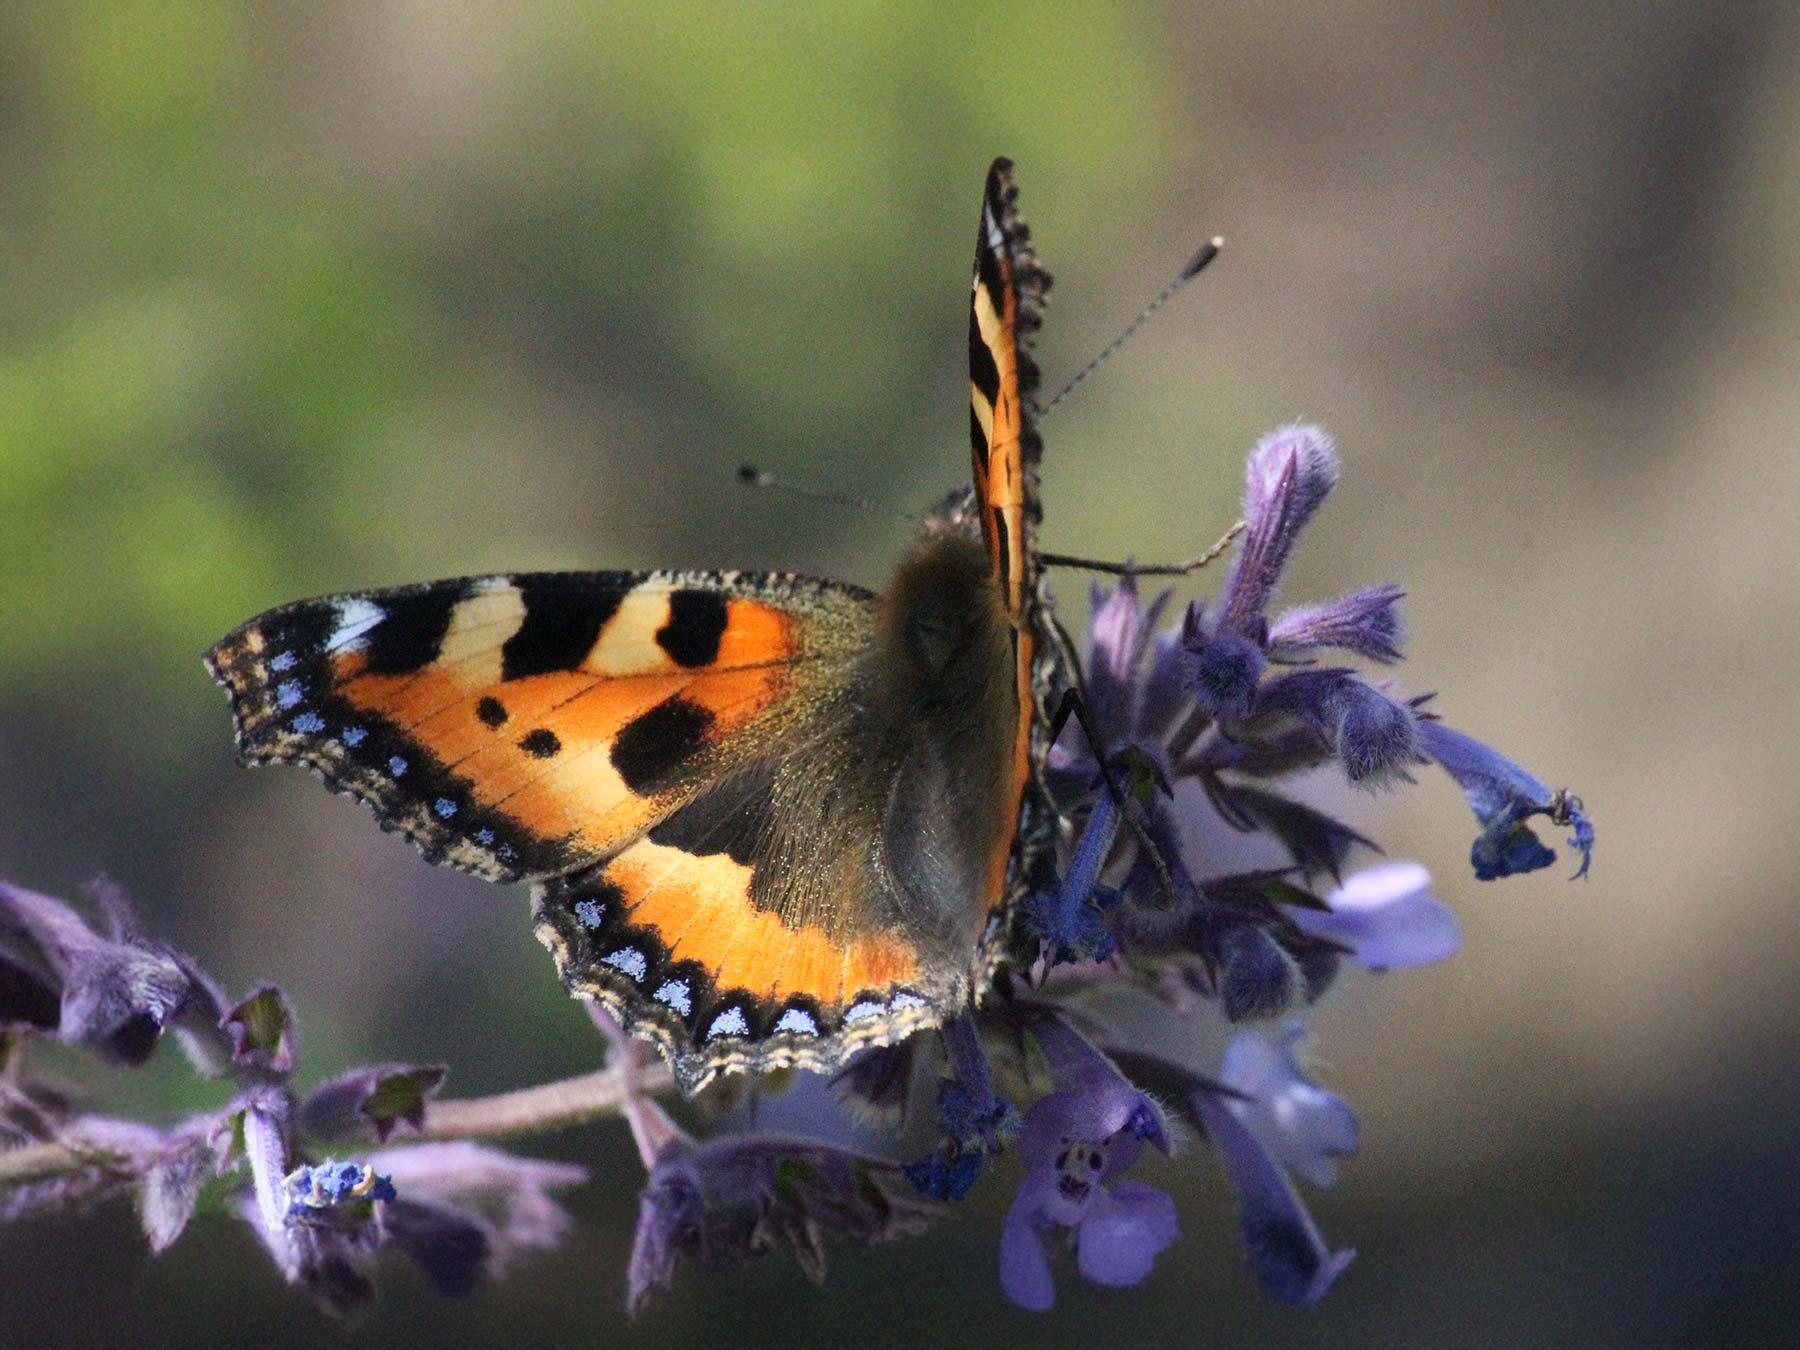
x=751 y=476
x=1195 y=266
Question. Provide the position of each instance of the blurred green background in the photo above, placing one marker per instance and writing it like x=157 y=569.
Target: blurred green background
x=297 y=298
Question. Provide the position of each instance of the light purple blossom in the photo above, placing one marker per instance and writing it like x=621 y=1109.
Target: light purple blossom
x=1386 y=917
x=1075 y=1145
x=1299 y=1123
x=1286 y=1252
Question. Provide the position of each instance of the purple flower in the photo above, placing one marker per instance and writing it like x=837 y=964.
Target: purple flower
x=1297 y=1122
x=1289 y=475
x=1307 y=716
x=1286 y=1252
x=1075 y=1143
x=1119 y=636
x=1504 y=796
x=1386 y=917
x=1224 y=668
x=1134 y=691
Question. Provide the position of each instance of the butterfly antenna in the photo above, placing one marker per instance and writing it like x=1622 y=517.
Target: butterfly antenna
x=1195 y=266
x=751 y=476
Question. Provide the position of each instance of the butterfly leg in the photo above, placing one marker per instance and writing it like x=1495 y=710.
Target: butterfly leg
x=1145 y=773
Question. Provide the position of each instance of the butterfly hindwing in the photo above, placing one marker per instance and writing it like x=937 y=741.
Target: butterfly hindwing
x=523 y=726
x=828 y=891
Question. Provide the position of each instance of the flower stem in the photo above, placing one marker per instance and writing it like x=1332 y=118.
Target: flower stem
x=535 y=1110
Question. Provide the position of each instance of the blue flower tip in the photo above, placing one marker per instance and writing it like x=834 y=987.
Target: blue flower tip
x=1566 y=810
x=1513 y=853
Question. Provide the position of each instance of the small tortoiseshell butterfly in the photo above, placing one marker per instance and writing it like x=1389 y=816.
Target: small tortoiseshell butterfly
x=768 y=820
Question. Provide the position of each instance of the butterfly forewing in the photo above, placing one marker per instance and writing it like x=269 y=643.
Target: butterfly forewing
x=523 y=726
x=1005 y=299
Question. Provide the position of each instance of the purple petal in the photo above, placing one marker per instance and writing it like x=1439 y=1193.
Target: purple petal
x=1289 y=474
x=1366 y=622
x=1388 y=918
x=1297 y=1121
x=114 y=997
x=1118 y=635
x=1095 y=1103
x=1287 y=1255
x=1372 y=735
x=1124 y=1230
x=1024 y=1264
x=1163 y=695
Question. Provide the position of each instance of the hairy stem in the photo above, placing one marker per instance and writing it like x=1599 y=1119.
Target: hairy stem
x=535 y=1110
x=36 y=1162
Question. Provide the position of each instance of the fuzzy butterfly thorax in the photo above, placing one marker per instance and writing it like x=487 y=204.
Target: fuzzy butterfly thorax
x=768 y=820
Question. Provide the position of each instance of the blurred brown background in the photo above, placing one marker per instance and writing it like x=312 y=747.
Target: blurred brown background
x=304 y=298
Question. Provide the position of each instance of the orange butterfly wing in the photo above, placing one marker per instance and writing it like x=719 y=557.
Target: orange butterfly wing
x=1006 y=298
x=522 y=726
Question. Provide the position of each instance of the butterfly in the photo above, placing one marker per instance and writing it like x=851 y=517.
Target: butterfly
x=768 y=821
